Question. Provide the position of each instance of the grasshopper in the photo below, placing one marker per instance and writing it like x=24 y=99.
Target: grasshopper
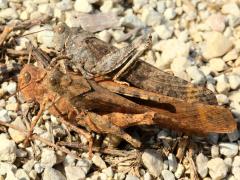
x=94 y=57
x=101 y=107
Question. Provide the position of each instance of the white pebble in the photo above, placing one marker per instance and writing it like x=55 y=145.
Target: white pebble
x=64 y=5
x=234 y=81
x=222 y=84
x=228 y=162
x=222 y=99
x=179 y=171
x=217 y=168
x=161 y=6
x=4 y=116
x=74 y=172
x=45 y=9
x=98 y=161
x=201 y=162
x=180 y=64
x=152 y=160
x=167 y=175
x=236 y=161
x=51 y=173
x=8 y=13
x=231 y=55
x=17 y=136
x=236 y=172
x=170 y=13
x=21 y=174
x=83 y=6
x=172 y=162
x=7 y=150
x=106 y=6
x=3 y=4
x=228 y=149
x=231 y=8
x=131 y=177
x=217 y=64
x=11 y=87
x=105 y=36
x=131 y=21
x=214 y=151
x=48 y=157
x=163 y=31
x=85 y=165
x=196 y=75
x=216 y=22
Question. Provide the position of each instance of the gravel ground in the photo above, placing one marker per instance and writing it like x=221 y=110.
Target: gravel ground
x=195 y=40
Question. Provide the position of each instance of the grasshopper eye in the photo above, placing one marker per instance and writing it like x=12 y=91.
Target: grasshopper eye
x=60 y=29
x=27 y=77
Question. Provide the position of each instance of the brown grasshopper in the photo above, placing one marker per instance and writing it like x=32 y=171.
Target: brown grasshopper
x=78 y=101
x=91 y=55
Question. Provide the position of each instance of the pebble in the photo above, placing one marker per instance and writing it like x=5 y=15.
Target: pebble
x=172 y=162
x=98 y=161
x=151 y=17
x=45 y=9
x=163 y=31
x=74 y=173
x=17 y=136
x=64 y=5
x=69 y=161
x=105 y=36
x=46 y=37
x=3 y=4
x=53 y=174
x=228 y=149
x=196 y=75
x=215 y=45
x=8 y=150
x=217 y=168
x=11 y=87
x=6 y=168
x=236 y=172
x=85 y=165
x=4 y=116
x=222 y=99
x=231 y=55
x=216 y=64
x=8 y=13
x=83 y=6
x=201 y=162
x=170 y=13
x=180 y=170
x=234 y=81
x=108 y=172
x=167 y=175
x=233 y=136
x=131 y=21
x=222 y=85
x=21 y=174
x=231 y=8
x=131 y=177
x=28 y=165
x=153 y=162
x=236 y=161
x=48 y=158
x=216 y=22
x=106 y=6
x=215 y=151
x=228 y=162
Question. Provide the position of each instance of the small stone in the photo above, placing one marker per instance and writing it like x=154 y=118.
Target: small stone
x=21 y=174
x=53 y=174
x=64 y=5
x=17 y=136
x=217 y=64
x=216 y=22
x=163 y=31
x=69 y=161
x=4 y=116
x=231 y=8
x=179 y=171
x=38 y=168
x=45 y=9
x=104 y=36
x=236 y=161
x=180 y=64
x=7 y=150
x=28 y=165
x=236 y=172
x=228 y=149
x=172 y=162
x=12 y=107
x=5 y=168
x=85 y=165
x=3 y=4
x=214 y=151
x=106 y=6
x=216 y=45
x=21 y=153
x=170 y=13
x=217 y=168
x=201 y=162
x=83 y=6
x=98 y=161
x=8 y=13
x=131 y=21
x=33 y=174
x=234 y=81
x=108 y=172
x=153 y=162
x=48 y=158
x=74 y=173
x=24 y=15
x=165 y=164
x=11 y=87
x=196 y=75
x=46 y=37
x=222 y=84
x=151 y=17
x=231 y=55
x=222 y=99
x=161 y=6
x=228 y=162
x=167 y=175
x=138 y=4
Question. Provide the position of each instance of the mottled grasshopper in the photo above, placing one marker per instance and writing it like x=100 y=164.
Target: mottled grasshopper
x=78 y=101
x=94 y=57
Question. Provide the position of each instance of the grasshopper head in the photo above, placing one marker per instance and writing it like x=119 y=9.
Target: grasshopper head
x=61 y=34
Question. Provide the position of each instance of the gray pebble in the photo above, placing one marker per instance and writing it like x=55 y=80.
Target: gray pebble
x=201 y=162
x=167 y=175
x=172 y=162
